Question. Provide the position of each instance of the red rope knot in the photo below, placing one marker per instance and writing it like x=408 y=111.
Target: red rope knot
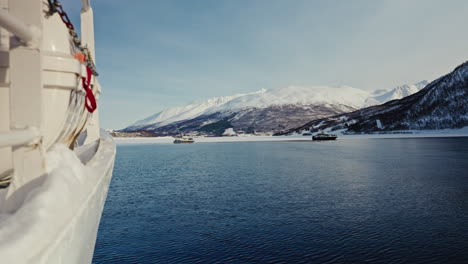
x=90 y=99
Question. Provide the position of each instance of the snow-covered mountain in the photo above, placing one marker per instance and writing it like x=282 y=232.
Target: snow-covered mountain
x=441 y=104
x=264 y=110
x=300 y=95
x=382 y=96
x=292 y=95
x=185 y=112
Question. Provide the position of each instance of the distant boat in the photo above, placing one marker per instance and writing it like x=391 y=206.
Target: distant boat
x=307 y=134
x=324 y=136
x=183 y=140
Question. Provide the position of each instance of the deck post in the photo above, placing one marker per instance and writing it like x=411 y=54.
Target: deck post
x=87 y=38
x=6 y=165
x=25 y=72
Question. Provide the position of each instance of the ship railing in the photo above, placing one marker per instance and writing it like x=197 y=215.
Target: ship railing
x=19 y=137
x=27 y=34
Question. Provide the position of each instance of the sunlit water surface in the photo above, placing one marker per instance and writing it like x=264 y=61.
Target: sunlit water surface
x=349 y=201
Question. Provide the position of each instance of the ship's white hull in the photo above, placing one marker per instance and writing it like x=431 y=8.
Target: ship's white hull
x=58 y=220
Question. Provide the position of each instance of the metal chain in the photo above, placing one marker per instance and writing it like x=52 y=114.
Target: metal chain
x=56 y=7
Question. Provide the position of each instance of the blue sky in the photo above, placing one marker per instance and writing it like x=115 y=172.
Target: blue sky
x=154 y=54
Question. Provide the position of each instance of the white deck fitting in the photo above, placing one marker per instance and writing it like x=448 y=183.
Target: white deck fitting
x=27 y=34
x=50 y=213
x=58 y=219
x=18 y=137
x=87 y=37
x=6 y=163
x=26 y=96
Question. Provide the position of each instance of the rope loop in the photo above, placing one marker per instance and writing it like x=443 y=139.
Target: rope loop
x=90 y=102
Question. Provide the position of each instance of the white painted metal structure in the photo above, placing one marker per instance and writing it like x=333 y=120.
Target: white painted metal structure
x=41 y=107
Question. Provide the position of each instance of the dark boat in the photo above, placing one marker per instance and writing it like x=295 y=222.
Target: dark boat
x=323 y=136
x=183 y=140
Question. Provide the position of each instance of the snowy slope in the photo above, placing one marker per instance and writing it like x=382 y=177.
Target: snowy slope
x=442 y=104
x=292 y=95
x=383 y=96
x=185 y=112
x=300 y=95
x=265 y=110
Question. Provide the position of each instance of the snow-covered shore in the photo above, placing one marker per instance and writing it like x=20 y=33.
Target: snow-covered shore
x=401 y=134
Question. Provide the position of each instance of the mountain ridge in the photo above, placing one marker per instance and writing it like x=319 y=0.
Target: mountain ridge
x=247 y=110
x=441 y=104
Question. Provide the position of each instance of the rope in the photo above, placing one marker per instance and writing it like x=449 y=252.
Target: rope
x=90 y=102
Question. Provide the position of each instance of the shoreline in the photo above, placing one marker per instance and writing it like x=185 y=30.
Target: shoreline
x=463 y=132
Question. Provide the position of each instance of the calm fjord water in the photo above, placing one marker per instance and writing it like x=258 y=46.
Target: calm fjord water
x=349 y=201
